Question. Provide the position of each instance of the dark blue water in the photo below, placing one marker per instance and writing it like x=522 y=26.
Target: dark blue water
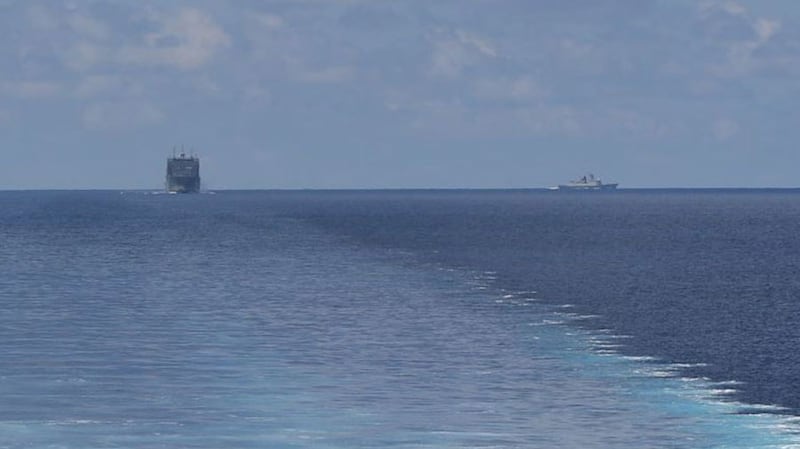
x=399 y=319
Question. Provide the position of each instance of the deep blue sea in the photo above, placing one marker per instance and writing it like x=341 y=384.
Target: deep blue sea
x=402 y=319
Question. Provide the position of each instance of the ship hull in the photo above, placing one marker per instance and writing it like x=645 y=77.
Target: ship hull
x=183 y=174
x=183 y=185
x=569 y=187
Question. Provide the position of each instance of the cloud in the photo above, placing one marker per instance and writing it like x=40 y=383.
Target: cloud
x=336 y=74
x=186 y=38
x=765 y=29
x=31 y=89
x=269 y=21
x=122 y=115
x=724 y=129
x=728 y=7
x=455 y=119
x=451 y=54
x=42 y=19
x=256 y=93
x=93 y=86
x=482 y=45
x=741 y=33
x=503 y=88
x=301 y=48
x=185 y=41
x=82 y=56
x=741 y=54
x=88 y=27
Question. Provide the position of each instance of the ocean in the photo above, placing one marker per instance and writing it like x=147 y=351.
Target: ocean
x=402 y=319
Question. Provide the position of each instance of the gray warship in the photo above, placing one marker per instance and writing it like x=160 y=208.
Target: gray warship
x=183 y=173
x=587 y=182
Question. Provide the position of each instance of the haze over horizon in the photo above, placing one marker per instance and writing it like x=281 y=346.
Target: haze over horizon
x=376 y=94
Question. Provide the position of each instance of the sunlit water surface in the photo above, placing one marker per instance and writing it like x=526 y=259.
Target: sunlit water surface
x=397 y=319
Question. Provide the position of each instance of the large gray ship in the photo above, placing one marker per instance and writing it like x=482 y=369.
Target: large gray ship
x=588 y=182
x=183 y=174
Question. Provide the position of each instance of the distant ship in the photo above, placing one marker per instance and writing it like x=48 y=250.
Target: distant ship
x=588 y=182
x=183 y=174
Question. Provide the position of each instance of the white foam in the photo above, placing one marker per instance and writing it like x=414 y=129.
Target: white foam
x=586 y=317
x=548 y=322
x=765 y=408
x=620 y=337
x=640 y=358
x=605 y=352
x=722 y=391
x=688 y=365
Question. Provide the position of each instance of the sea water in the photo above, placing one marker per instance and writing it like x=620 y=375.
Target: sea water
x=405 y=319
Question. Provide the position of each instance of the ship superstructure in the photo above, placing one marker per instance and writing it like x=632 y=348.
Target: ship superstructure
x=587 y=182
x=183 y=173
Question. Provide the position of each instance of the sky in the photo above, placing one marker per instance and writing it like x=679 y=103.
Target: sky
x=341 y=94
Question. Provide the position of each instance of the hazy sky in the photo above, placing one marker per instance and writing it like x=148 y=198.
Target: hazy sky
x=417 y=93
